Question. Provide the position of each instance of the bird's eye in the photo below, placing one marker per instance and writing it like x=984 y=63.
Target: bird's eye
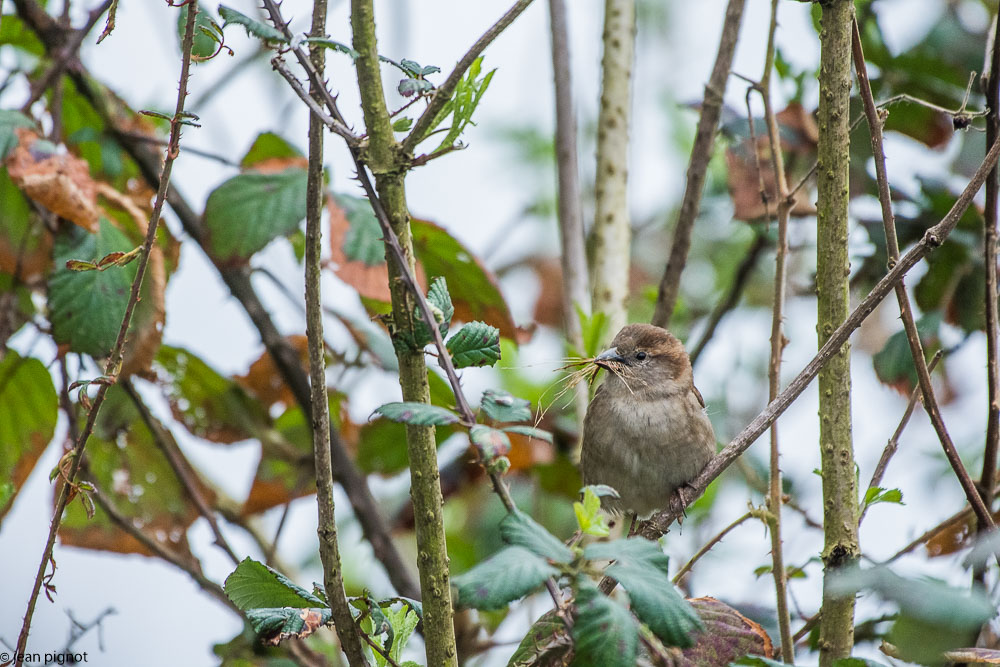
x=640 y=355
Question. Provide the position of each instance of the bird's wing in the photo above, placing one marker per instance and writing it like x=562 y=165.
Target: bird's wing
x=697 y=393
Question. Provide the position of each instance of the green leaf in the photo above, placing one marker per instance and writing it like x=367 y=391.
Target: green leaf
x=29 y=408
x=332 y=44
x=14 y=33
x=502 y=406
x=253 y=584
x=877 y=494
x=605 y=633
x=363 y=241
x=267 y=146
x=250 y=210
x=519 y=529
x=277 y=624
x=594 y=329
x=589 y=516
x=402 y=124
x=403 y=622
x=490 y=442
x=418 y=414
x=9 y=122
x=210 y=405
x=411 y=87
x=529 y=431
x=894 y=362
x=441 y=307
x=253 y=28
x=546 y=643
x=510 y=574
x=856 y=662
x=475 y=344
x=86 y=309
x=758 y=661
x=642 y=568
x=463 y=103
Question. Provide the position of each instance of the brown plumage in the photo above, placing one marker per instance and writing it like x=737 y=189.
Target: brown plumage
x=646 y=433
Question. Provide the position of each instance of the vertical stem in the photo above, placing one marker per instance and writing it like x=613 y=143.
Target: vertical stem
x=383 y=158
x=988 y=479
x=777 y=345
x=329 y=549
x=612 y=231
x=701 y=155
x=840 y=497
x=574 y=255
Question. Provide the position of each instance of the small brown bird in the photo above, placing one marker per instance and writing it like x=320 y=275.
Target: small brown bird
x=646 y=433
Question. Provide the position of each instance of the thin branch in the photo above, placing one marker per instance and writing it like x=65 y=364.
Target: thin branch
x=187 y=477
x=208 y=155
x=572 y=239
x=329 y=548
x=443 y=92
x=778 y=342
x=114 y=362
x=893 y=444
x=732 y=297
x=701 y=155
x=708 y=546
x=989 y=475
x=658 y=524
x=905 y=311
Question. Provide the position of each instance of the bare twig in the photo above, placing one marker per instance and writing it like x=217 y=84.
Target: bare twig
x=114 y=362
x=658 y=524
x=573 y=255
x=988 y=478
x=905 y=311
x=329 y=548
x=443 y=92
x=711 y=543
x=701 y=155
x=893 y=444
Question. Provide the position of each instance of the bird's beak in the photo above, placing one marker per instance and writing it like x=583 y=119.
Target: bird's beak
x=609 y=356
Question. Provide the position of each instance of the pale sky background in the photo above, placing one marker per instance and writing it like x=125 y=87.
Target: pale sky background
x=162 y=618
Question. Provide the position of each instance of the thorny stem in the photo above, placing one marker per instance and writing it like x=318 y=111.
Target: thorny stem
x=114 y=362
x=988 y=478
x=711 y=543
x=701 y=155
x=905 y=311
x=329 y=549
x=778 y=343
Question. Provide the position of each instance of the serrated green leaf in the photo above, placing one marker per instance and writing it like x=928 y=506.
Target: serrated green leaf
x=363 y=241
x=877 y=494
x=519 y=529
x=267 y=146
x=502 y=406
x=642 y=568
x=491 y=443
x=250 y=210
x=588 y=514
x=546 y=643
x=403 y=622
x=402 y=124
x=475 y=344
x=277 y=624
x=410 y=87
x=253 y=28
x=29 y=408
x=604 y=633
x=418 y=414
x=253 y=584
x=441 y=307
x=508 y=575
x=529 y=431
x=86 y=309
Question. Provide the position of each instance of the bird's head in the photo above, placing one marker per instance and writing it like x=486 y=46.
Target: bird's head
x=646 y=355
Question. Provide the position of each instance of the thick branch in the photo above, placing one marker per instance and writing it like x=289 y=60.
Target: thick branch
x=701 y=155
